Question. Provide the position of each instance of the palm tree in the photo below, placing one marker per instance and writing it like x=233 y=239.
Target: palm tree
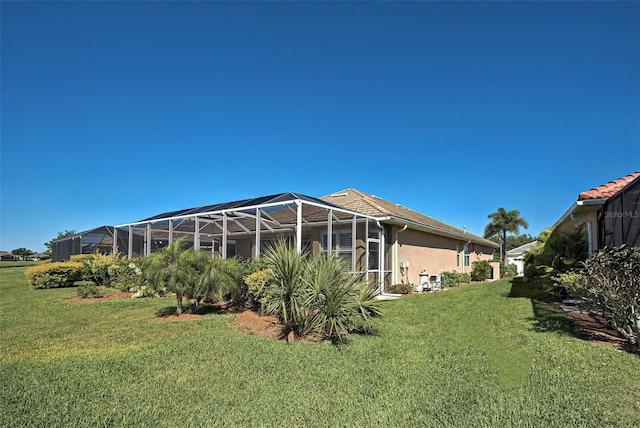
x=169 y=270
x=503 y=221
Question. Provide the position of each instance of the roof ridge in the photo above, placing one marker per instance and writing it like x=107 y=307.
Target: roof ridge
x=370 y=200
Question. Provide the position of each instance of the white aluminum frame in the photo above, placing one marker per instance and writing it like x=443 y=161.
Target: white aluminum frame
x=262 y=220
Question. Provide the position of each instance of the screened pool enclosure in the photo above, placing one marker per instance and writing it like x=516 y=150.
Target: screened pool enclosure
x=246 y=228
x=88 y=242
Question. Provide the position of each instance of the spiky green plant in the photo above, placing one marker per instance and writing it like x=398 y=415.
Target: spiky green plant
x=286 y=295
x=340 y=304
x=317 y=295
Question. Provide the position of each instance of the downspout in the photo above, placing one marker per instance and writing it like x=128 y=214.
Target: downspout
x=396 y=262
x=589 y=233
x=380 y=256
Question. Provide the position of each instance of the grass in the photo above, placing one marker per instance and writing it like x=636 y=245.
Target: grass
x=17 y=263
x=473 y=356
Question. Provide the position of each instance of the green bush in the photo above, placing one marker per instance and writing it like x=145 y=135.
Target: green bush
x=558 y=250
x=126 y=274
x=609 y=283
x=54 y=275
x=257 y=283
x=401 y=289
x=87 y=289
x=454 y=279
x=480 y=270
x=100 y=266
x=81 y=258
x=508 y=271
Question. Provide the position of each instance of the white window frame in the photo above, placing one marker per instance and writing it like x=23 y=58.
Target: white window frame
x=344 y=252
x=467 y=255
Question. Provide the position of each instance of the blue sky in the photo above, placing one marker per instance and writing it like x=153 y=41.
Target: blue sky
x=115 y=111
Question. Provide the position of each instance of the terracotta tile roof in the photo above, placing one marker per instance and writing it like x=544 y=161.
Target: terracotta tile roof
x=365 y=203
x=609 y=189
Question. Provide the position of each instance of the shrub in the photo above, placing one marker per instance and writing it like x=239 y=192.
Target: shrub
x=230 y=276
x=99 y=266
x=81 y=258
x=609 y=282
x=257 y=283
x=557 y=251
x=480 y=270
x=401 y=289
x=87 y=289
x=508 y=271
x=54 y=275
x=126 y=274
x=453 y=278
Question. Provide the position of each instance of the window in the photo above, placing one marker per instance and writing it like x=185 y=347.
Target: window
x=340 y=243
x=374 y=254
x=457 y=254
x=467 y=252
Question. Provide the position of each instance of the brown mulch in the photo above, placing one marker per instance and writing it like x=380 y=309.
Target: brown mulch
x=594 y=328
x=266 y=326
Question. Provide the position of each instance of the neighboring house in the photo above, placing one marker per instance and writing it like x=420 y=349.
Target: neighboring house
x=88 y=242
x=39 y=256
x=379 y=239
x=611 y=213
x=7 y=256
x=516 y=256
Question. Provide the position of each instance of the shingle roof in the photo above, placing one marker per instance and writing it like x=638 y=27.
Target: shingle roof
x=365 y=203
x=609 y=189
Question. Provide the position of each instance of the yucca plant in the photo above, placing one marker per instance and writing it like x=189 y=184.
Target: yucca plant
x=340 y=303
x=286 y=294
x=317 y=295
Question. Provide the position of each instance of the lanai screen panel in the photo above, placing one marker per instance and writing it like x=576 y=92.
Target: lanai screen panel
x=621 y=223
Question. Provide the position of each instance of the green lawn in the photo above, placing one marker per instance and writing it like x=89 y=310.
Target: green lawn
x=481 y=355
x=17 y=263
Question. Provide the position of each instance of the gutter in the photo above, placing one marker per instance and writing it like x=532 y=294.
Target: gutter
x=589 y=232
x=587 y=205
x=576 y=205
x=418 y=226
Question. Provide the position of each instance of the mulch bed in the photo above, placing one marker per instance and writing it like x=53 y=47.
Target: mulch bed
x=594 y=328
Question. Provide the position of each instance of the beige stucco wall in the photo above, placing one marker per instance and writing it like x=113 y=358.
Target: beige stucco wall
x=424 y=251
x=433 y=254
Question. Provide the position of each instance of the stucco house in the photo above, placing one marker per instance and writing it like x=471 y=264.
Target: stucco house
x=516 y=256
x=610 y=213
x=7 y=256
x=379 y=239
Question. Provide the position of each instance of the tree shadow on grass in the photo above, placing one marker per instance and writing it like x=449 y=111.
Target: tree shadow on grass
x=546 y=317
x=202 y=309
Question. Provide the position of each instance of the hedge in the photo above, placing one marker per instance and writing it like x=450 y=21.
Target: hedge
x=54 y=275
x=453 y=278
